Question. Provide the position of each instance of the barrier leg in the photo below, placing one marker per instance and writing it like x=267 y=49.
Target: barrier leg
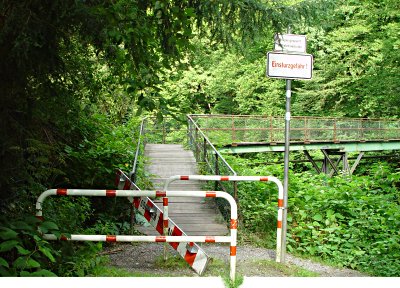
x=165 y=226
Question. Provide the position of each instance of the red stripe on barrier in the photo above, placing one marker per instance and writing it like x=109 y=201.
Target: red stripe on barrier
x=111 y=238
x=263 y=178
x=224 y=178
x=234 y=223
x=150 y=204
x=63 y=238
x=189 y=257
x=165 y=201
x=280 y=203
x=161 y=239
x=136 y=202
x=211 y=194
x=184 y=177
x=279 y=225
x=233 y=250
x=161 y=193
x=127 y=185
x=61 y=192
x=210 y=239
x=160 y=224
x=147 y=213
x=40 y=218
x=111 y=193
x=176 y=232
x=165 y=223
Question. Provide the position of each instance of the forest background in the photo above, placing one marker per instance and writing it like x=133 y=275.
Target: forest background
x=76 y=78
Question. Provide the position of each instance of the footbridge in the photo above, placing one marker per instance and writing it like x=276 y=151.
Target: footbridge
x=335 y=138
x=197 y=145
x=327 y=143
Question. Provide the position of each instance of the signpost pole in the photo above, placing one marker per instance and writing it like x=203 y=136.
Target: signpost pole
x=286 y=165
x=289 y=60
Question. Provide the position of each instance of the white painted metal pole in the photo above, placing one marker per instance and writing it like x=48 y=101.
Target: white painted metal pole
x=129 y=238
x=286 y=167
x=281 y=208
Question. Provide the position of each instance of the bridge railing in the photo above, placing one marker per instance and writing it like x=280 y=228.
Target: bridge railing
x=211 y=160
x=167 y=131
x=224 y=130
x=175 y=131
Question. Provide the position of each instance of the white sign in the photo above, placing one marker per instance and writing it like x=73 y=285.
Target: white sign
x=289 y=66
x=290 y=43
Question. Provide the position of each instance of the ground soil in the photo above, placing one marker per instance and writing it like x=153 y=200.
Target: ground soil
x=145 y=258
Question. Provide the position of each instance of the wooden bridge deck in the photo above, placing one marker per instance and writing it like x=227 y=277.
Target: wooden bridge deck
x=195 y=216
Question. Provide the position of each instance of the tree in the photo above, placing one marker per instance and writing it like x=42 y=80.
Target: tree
x=62 y=59
x=356 y=62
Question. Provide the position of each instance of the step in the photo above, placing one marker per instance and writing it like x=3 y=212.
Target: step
x=194 y=215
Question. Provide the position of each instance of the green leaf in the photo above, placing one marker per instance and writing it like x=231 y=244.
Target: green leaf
x=25 y=274
x=5 y=272
x=47 y=253
x=8 y=245
x=25 y=263
x=22 y=250
x=8 y=233
x=43 y=273
x=21 y=225
x=49 y=225
x=317 y=217
x=3 y=262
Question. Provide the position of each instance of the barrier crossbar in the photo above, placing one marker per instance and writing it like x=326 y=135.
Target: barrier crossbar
x=279 y=241
x=133 y=238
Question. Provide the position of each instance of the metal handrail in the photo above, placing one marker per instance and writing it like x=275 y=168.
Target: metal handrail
x=264 y=129
x=214 y=150
x=132 y=174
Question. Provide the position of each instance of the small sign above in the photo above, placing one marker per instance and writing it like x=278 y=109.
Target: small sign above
x=290 y=43
x=289 y=66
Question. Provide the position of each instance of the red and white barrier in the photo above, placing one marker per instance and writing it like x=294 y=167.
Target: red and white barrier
x=189 y=251
x=145 y=193
x=279 y=242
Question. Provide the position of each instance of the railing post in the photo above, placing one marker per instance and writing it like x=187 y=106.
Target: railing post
x=196 y=145
x=216 y=171
x=189 y=133
x=334 y=132
x=306 y=131
x=271 y=130
x=233 y=130
x=204 y=149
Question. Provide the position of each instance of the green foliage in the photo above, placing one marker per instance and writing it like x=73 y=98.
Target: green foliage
x=105 y=147
x=356 y=62
x=23 y=252
x=349 y=222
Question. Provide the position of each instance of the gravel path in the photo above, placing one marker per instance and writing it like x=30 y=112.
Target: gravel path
x=145 y=257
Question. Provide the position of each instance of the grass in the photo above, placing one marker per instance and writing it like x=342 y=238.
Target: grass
x=285 y=269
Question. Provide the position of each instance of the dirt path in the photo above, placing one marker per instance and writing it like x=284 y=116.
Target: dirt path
x=145 y=258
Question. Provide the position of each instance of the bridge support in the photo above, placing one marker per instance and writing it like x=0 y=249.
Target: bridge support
x=329 y=167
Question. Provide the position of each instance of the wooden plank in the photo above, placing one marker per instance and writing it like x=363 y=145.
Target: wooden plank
x=196 y=216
